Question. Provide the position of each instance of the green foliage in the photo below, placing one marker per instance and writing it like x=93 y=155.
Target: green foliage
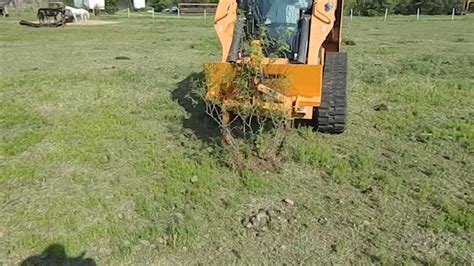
x=69 y=2
x=159 y=5
x=251 y=124
x=452 y=218
x=314 y=154
x=21 y=143
x=198 y=1
x=403 y=7
x=17 y=172
x=56 y=4
x=111 y=6
x=431 y=7
x=372 y=8
x=255 y=182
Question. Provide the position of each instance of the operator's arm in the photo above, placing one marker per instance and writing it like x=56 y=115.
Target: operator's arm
x=271 y=15
x=303 y=4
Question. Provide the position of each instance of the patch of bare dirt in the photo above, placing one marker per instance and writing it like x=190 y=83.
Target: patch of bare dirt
x=91 y=23
x=271 y=218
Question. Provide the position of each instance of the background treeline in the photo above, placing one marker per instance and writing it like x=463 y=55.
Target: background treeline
x=360 y=7
x=160 y=4
x=403 y=7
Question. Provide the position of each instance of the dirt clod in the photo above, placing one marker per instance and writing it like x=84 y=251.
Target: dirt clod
x=381 y=107
x=349 y=42
x=178 y=218
x=267 y=219
x=144 y=242
x=163 y=240
x=289 y=202
x=122 y=58
x=236 y=253
x=194 y=179
x=322 y=220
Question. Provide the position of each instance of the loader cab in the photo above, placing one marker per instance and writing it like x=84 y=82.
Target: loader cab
x=281 y=21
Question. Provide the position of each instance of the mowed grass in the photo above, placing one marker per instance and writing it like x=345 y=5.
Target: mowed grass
x=101 y=152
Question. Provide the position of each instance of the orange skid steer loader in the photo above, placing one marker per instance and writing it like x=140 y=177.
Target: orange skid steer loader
x=311 y=64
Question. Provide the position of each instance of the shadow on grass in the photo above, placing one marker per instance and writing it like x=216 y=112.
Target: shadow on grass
x=55 y=254
x=198 y=121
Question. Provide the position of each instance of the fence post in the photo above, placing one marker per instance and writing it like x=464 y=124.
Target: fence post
x=179 y=12
x=205 y=15
x=452 y=15
x=418 y=14
x=128 y=13
x=386 y=14
x=351 y=13
x=153 y=12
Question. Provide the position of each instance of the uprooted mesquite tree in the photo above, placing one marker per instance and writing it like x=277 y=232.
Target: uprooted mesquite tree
x=253 y=125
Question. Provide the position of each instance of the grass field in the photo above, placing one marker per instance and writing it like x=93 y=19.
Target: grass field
x=100 y=151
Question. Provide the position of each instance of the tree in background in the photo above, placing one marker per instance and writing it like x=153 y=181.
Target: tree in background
x=450 y=4
x=199 y=1
x=69 y=2
x=111 y=6
x=368 y=7
x=159 y=5
x=363 y=7
x=430 y=7
x=403 y=7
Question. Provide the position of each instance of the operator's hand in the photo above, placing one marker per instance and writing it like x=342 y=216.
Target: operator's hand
x=268 y=21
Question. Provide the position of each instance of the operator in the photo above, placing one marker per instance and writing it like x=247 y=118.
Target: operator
x=286 y=11
x=282 y=19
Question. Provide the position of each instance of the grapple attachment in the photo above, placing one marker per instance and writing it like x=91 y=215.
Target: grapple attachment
x=291 y=88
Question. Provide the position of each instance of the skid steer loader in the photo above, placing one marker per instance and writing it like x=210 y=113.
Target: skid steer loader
x=315 y=70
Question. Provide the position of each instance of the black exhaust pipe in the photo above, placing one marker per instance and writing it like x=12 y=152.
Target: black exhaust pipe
x=303 y=39
x=237 y=40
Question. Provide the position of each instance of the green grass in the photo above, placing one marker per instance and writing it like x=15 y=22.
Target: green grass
x=104 y=155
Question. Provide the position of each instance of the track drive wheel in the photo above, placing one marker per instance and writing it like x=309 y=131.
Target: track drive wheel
x=331 y=116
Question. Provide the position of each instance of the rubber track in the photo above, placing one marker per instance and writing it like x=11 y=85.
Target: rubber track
x=331 y=116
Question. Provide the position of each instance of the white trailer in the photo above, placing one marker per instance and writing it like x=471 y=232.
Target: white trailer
x=91 y=4
x=139 y=4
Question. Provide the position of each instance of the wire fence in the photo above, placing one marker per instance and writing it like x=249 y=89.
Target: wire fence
x=151 y=13
x=204 y=14
x=416 y=16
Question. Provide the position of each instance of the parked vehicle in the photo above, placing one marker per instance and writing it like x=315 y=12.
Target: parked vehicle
x=3 y=9
x=173 y=9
